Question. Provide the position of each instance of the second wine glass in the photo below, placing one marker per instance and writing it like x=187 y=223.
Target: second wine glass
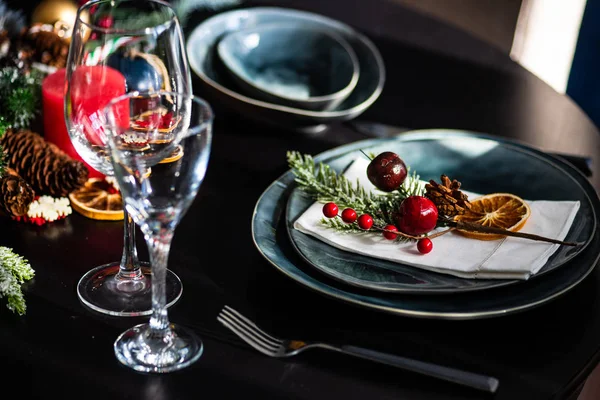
x=116 y=48
x=160 y=144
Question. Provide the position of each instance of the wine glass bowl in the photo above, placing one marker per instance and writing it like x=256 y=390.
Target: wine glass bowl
x=160 y=158
x=117 y=48
x=123 y=46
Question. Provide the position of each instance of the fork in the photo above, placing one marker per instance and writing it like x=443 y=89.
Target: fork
x=280 y=348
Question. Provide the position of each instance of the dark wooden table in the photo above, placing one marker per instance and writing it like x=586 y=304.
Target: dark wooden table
x=437 y=77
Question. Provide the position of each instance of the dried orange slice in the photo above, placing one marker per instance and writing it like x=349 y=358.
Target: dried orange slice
x=496 y=210
x=174 y=156
x=98 y=199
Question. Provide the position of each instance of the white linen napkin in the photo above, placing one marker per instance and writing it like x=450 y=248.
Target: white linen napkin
x=508 y=258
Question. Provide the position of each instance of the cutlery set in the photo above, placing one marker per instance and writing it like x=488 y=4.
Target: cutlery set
x=281 y=348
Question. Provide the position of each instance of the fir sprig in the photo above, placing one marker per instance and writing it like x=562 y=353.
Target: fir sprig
x=324 y=184
x=20 y=95
x=339 y=225
x=14 y=271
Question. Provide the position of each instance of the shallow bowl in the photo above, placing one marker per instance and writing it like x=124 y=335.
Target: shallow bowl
x=291 y=64
x=219 y=88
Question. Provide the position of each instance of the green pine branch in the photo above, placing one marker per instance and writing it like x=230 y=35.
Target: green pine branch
x=14 y=271
x=20 y=96
x=339 y=225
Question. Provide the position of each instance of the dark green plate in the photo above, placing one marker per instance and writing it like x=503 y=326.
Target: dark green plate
x=495 y=165
x=482 y=165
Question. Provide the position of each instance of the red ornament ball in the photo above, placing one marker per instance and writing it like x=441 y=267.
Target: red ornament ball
x=330 y=210
x=416 y=215
x=349 y=215
x=365 y=222
x=390 y=235
x=424 y=245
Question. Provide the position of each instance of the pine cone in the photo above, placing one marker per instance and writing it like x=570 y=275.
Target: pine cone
x=48 y=48
x=449 y=200
x=15 y=195
x=42 y=164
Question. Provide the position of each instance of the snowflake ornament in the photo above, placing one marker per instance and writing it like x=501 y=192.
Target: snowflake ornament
x=47 y=209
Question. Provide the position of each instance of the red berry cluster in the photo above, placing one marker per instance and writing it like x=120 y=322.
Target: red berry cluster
x=349 y=216
x=365 y=221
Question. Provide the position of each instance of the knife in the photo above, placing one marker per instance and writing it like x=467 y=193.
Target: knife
x=379 y=130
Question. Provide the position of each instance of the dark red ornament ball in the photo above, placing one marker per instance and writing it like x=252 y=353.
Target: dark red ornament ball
x=416 y=215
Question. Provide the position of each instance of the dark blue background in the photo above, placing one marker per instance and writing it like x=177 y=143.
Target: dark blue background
x=584 y=79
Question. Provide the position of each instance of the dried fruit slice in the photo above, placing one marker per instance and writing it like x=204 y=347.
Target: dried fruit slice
x=98 y=199
x=497 y=210
x=174 y=156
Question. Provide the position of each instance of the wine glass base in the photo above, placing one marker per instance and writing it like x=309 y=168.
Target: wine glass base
x=103 y=291
x=143 y=351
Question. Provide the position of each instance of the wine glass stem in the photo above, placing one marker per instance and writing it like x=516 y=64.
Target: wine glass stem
x=129 y=268
x=159 y=246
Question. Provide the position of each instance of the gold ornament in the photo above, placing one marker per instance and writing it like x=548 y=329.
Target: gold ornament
x=62 y=14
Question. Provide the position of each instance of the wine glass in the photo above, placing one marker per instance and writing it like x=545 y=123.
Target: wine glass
x=119 y=47
x=160 y=145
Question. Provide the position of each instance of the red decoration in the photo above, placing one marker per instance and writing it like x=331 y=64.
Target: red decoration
x=330 y=210
x=365 y=222
x=390 y=235
x=105 y=22
x=417 y=215
x=155 y=121
x=92 y=88
x=387 y=171
x=55 y=129
x=424 y=245
x=39 y=221
x=349 y=215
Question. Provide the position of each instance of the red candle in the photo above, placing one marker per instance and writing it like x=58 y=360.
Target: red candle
x=92 y=88
x=55 y=129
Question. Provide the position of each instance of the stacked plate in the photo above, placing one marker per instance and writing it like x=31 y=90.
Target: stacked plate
x=218 y=50
x=485 y=164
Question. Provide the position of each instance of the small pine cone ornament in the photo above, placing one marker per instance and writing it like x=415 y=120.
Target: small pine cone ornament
x=15 y=195
x=46 y=45
x=42 y=164
x=447 y=196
